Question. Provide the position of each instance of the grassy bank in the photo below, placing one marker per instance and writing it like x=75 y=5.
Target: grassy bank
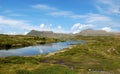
x=100 y=55
x=12 y=41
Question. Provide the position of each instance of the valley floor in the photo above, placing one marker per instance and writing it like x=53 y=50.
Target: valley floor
x=100 y=55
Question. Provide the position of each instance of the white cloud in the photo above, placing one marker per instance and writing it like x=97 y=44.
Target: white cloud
x=59 y=27
x=78 y=16
x=97 y=18
x=76 y=31
x=11 y=33
x=109 y=6
x=77 y=25
x=61 y=13
x=18 y=24
x=44 y=7
x=107 y=29
x=52 y=10
x=24 y=26
x=15 y=24
x=42 y=26
x=50 y=25
x=25 y=33
x=90 y=17
x=80 y=26
x=109 y=2
x=4 y=20
x=76 y=28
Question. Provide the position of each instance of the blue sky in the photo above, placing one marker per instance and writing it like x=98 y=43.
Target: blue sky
x=64 y=16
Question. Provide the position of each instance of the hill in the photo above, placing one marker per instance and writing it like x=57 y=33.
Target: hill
x=91 y=32
x=41 y=33
x=49 y=34
x=87 y=32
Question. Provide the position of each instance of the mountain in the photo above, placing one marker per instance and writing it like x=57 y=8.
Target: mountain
x=49 y=34
x=41 y=33
x=91 y=32
x=87 y=32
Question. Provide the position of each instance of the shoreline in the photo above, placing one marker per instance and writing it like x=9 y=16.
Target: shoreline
x=14 y=47
x=59 y=51
x=48 y=54
x=52 y=53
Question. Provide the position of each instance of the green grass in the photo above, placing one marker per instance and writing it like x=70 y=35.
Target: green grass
x=30 y=65
x=13 y=41
x=100 y=55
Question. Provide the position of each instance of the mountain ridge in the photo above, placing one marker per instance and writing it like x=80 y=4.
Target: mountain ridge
x=87 y=32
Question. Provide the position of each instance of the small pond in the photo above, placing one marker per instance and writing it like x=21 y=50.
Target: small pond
x=38 y=49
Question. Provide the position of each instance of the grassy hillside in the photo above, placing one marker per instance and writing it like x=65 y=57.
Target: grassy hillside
x=100 y=55
x=10 y=41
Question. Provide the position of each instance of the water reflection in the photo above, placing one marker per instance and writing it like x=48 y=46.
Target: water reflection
x=39 y=49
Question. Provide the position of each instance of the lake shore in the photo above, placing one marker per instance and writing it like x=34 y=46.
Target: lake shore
x=46 y=49
x=17 y=41
x=59 y=51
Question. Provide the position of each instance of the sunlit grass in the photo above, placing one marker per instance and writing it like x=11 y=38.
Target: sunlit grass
x=100 y=55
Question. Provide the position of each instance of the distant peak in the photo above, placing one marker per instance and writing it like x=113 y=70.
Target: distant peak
x=89 y=29
x=41 y=31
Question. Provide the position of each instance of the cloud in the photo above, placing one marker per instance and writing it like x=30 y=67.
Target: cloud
x=11 y=13
x=76 y=28
x=42 y=26
x=76 y=31
x=80 y=26
x=107 y=29
x=59 y=27
x=43 y=7
x=10 y=24
x=61 y=13
x=25 y=33
x=89 y=17
x=11 y=33
x=7 y=21
x=13 y=26
x=78 y=16
x=16 y=23
x=108 y=6
x=97 y=18
x=53 y=11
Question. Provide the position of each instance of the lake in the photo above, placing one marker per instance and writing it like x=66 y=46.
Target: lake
x=38 y=49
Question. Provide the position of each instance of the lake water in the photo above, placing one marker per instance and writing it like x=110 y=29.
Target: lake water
x=38 y=49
